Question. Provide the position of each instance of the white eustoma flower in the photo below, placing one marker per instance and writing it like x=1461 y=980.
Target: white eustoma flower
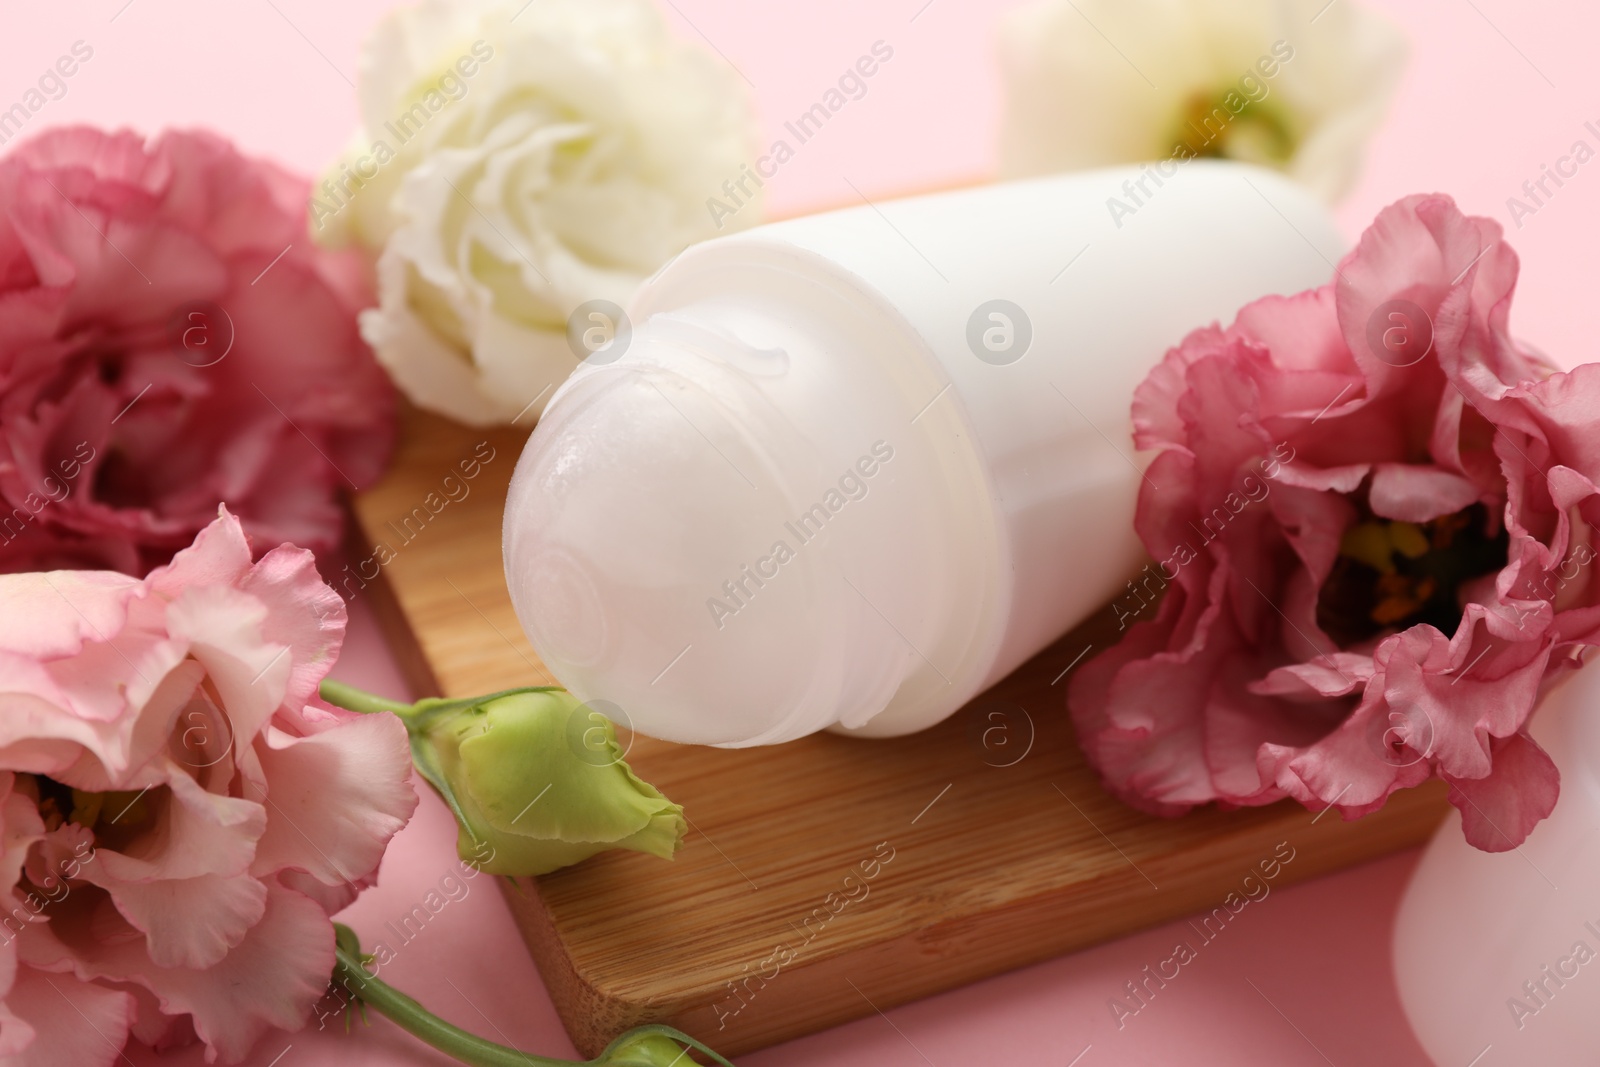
x=517 y=160
x=1294 y=84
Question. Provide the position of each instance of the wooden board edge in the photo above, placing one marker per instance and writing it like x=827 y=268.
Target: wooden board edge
x=591 y=1018
x=906 y=968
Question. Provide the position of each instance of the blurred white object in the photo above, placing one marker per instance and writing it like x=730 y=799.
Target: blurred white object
x=852 y=469
x=1298 y=85
x=1501 y=951
x=518 y=159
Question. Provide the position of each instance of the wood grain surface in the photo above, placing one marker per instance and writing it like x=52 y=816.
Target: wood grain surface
x=828 y=878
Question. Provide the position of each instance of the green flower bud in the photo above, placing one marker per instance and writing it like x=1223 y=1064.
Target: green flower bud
x=536 y=780
x=643 y=1050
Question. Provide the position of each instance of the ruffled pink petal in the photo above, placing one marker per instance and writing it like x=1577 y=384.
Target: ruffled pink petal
x=336 y=798
x=1565 y=407
x=1419 y=249
x=1427 y=678
x=332 y=899
x=46 y=734
x=1345 y=479
x=109 y=680
x=157 y=1030
x=49 y=616
x=351 y=417
x=20 y=828
x=219 y=556
x=304 y=615
x=1334 y=675
x=1354 y=767
x=1408 y=493
x=16 y=1034
x=271 y=979
x=1312 y=523
x=203 y=223
x=117 y=156
x=174 y=266
x=1156 y=422
x=1218 y=411
x=190 y=894
x=192 y=922
x=74 y=1023
x=53 y=866
x=42 y=548
x=1142 y=719
x=1239 y=724
x=223 y=629
x=1499 y=810
x=1302 y=334
x=240 y=209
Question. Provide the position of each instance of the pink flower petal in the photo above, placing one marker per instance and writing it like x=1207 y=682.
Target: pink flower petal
x=53 y=615
x=75 y=1023
x=269 y=980
x=20 y=827
x=1354 y=767
x=191 y=894
x=336 y=798
x=1344 y=479
x=223 y=629
x=87 y=736
x=1408 y=493
x=219 y=556
x=1418 y=249
x=1426 y=678
x=1141 y=720
x=1334 y=675
x=1156 y=422
x=1564 y=406
x=304 y=615
x=200 y=833
x=1499 y=810
x=191 y=922
x=1295 y=331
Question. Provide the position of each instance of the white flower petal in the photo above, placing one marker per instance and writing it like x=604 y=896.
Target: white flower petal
x=577 y=159
x=1098 y=82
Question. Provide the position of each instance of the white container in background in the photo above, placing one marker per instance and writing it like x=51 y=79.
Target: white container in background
x=849 y=470
x=1501 y=951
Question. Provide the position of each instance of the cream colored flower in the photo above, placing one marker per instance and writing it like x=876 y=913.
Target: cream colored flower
x=1295 y=84
x=517 y=160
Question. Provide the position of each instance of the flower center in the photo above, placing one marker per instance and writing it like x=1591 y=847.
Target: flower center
x=1391 y=575
x=115 y=816
x=1257 y=133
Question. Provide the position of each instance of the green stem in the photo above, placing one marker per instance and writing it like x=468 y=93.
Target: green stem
x=350 y=974
x=352 y=699
x=415 y=716
x=413 y=1018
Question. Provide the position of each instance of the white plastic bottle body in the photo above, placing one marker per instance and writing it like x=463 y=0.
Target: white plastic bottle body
x=1501 y=951
x=853 y=468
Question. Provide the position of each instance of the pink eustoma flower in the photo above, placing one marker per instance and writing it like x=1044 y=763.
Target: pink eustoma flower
x=1372 y=513
x=170 y=339
x=179 y=813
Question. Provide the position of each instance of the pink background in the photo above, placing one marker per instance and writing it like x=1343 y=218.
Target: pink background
x=1495 y=88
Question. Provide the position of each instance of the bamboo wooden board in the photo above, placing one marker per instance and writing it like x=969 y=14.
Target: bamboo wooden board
x=989 y=842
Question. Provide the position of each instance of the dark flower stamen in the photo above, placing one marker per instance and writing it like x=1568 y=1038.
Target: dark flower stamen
x=1391 y=575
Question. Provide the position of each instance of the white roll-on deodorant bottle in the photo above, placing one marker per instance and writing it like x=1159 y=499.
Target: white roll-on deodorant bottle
x=848 y=470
